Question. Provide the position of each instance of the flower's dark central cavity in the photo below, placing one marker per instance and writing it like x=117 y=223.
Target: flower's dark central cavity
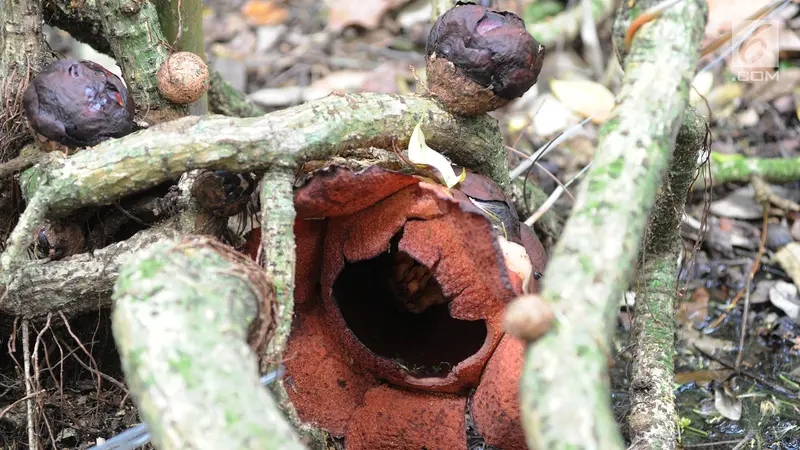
x=396 y=308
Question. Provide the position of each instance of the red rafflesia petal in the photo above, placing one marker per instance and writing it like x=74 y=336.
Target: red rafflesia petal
x=321 y=384
x=394 y=419
x=495 y=405
x=338 y=191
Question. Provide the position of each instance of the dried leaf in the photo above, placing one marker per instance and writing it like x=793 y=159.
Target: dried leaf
x=264 y=12
x=784 y=296
x=739 y=204
x=727 y=404
x=789 y=258
x=585 y=97
x=420 y=153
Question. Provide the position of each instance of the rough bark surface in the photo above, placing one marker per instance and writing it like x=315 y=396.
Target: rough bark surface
x=315 y=130
x=565 y=394
x=76 y=284
x=277 y=240
x=139 y=51
x=181 y=320
x=652 y=419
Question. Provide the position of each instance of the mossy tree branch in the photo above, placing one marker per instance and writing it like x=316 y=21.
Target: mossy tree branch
x=586 y=276
x=286 y=138
x=181 y=323
x=278 y=244
x=652 y=418
x=139 y=46
x=182 y=23
x=738 y=168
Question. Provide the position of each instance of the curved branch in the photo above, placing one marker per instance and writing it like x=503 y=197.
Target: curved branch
x=652 y=418
x=76 y=284
x=181 y=320
x=593 y=262
x=315 y=130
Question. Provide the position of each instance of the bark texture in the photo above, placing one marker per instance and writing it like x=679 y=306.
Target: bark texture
x=139 y=46
x=652 y=419
x=181 y=317
x=76 y=284
x=565 y=396
x=277 y=240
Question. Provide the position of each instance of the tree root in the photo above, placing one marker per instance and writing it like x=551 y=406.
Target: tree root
x=593 y=263
x=77 y=284
x=181 y=319
x=652 y=418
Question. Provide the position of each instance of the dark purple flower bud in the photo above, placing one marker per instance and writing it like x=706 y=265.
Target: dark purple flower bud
x=478 y=59
x=223 y=193
x=78 y=103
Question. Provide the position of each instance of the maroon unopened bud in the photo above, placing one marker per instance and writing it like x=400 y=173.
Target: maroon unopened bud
x=57 y=240
x=223 y=193
x=78 y=103
x=479 y=60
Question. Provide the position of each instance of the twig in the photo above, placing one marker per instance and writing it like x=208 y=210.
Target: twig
x=27 y=397
x=551 y=200
x=278 y=243
x=743 y=328
x=547 y=172
x=33 y=443
x=756 y=265
x=747 y=374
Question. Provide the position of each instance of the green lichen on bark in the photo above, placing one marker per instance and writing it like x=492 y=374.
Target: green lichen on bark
x=226 y=100
x=181 y=317
x=134 y=35
x=738 y=168
x=652 y=418
x=586 y=276
x=314 y=131
x=182 y=24
x=277 y=240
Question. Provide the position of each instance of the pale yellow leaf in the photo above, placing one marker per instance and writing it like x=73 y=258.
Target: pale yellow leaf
x=420 y=153
x=585 y=97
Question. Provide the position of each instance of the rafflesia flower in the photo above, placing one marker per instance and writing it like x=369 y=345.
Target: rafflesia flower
x=401 y=287
x=78 y=103
x=479 y=60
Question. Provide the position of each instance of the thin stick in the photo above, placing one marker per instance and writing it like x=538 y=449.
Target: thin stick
x=27 y=397
x=547 y=172
x=551 y=200
x=26 y=358
x=743 y=328
x=756 y=265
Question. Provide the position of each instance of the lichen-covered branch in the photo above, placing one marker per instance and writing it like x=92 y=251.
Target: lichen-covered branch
x=84 y=24
x=652 y=419
x=315 y=130
x=76 y=284
x=278 y=246
x=134 y=34
x=593 y=262
x=226 y=100
x=287 y=138
x=182 y=24
x=181 y=317
x=738 y=168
